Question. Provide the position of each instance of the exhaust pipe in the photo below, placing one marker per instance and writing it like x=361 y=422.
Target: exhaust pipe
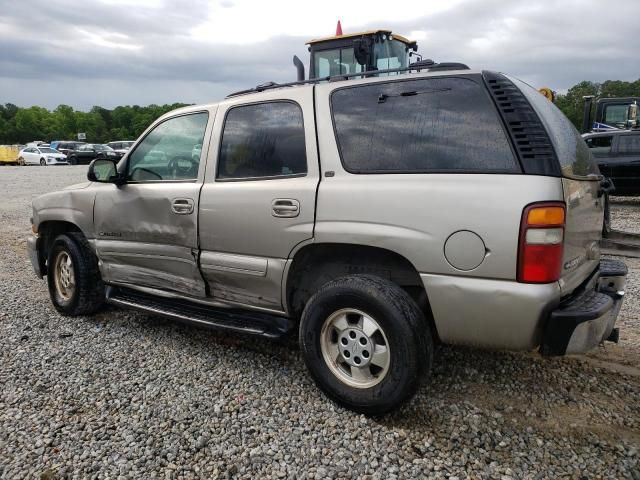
x=299 y=67
x=586 y=114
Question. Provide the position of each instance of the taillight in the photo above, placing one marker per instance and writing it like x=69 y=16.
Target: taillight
x=541 y=243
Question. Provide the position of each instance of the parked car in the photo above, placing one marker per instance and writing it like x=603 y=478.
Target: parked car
x=618 y=156
x=66 y=146
x=90 y=151
x=42 y=156
x=121 y=144
x=121 y=147
x=373 y=217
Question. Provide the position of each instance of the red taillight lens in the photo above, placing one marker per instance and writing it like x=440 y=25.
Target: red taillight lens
x=541 y=243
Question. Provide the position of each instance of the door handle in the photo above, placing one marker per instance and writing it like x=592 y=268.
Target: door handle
x=285 y=207
x=182 y=206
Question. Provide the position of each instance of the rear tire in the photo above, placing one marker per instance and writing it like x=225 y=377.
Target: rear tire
x=365 y=343
x=21 y=162
x=75 y=285
x=43 y=162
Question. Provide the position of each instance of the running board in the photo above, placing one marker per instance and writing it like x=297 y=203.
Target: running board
x=243 y=321
x=616 y=242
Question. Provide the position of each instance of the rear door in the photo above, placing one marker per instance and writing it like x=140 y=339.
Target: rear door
x=28 y=155
x=582 y=192
x=601 y=147
x=258 y=202
x=625 y=166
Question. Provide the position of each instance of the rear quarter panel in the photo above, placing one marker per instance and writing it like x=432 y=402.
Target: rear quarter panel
x=414 y=214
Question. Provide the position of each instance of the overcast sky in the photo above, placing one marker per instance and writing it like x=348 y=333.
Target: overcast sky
x=118 y=52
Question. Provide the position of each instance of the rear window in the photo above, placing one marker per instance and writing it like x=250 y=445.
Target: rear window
x=572 y=151
x=420 y=126
x=629 y=145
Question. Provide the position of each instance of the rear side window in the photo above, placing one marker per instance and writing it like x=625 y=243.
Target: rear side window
x=572 y=151
x=419 y=126
x=600 y=146
x=629 y=145
x=263 y=140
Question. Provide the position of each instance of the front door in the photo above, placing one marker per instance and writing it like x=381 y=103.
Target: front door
x=258 y=202
x=147 y=229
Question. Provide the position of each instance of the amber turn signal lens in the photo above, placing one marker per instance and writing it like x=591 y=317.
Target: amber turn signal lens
x=546 y=216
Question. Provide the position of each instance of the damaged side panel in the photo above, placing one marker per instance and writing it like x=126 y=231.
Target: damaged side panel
x=141 y=240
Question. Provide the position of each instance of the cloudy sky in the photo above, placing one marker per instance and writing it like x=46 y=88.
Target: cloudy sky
x=117 y=52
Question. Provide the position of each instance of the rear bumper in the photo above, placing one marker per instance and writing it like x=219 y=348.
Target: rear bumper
x=588 y=318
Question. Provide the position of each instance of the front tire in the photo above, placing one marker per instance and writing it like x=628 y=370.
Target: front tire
x=73 y=160
x=75 y=285
x=43 y=162
x=365 y=343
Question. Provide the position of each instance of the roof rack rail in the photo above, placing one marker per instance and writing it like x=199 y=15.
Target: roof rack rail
x=417 y=66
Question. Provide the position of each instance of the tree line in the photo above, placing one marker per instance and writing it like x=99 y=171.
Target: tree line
x=22 y=125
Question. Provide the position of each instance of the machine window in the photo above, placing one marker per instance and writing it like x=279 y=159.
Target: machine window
x=262 y=140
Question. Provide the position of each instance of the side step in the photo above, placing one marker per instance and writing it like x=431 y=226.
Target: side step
x=243 y=321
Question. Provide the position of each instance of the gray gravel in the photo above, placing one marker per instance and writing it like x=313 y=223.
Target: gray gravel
x=129 y=395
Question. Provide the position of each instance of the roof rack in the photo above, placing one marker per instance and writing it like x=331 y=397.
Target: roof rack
x=427 y=65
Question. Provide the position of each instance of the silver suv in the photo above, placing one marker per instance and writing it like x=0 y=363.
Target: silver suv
x=373 y=216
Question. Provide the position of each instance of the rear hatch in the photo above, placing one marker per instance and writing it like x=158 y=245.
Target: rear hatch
x=581 y=185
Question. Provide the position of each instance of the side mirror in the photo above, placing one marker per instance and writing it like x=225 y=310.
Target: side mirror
x=362 y=51
x=632 y=115
x=104 y=171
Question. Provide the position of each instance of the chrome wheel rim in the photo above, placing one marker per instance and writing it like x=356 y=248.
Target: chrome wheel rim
x=355 y=348
x=64 y=276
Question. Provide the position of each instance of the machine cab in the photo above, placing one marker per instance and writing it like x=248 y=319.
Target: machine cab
x=358 y=52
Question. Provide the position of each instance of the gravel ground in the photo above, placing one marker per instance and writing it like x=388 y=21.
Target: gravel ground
x=129 y=395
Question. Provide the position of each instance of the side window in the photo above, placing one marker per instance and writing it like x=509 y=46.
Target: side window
x=420 y=126
x=262 y=140
x=629 y=145
x=600 y=146
x=166 y=153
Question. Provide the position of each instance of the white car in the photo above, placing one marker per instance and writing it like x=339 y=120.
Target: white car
x=42 y=156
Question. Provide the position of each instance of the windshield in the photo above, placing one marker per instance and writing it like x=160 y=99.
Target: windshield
x=127 y=144
x=102 y=148
x=615 y=114
x=390 y=54
x=339 y=61
x=48 y=150
x=387 y=54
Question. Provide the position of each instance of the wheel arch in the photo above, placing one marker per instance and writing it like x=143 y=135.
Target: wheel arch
x=315 y=264
x=47 y=233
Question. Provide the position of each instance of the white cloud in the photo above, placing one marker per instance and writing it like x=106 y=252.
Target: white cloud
x=250 y=22
x=112 y=52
